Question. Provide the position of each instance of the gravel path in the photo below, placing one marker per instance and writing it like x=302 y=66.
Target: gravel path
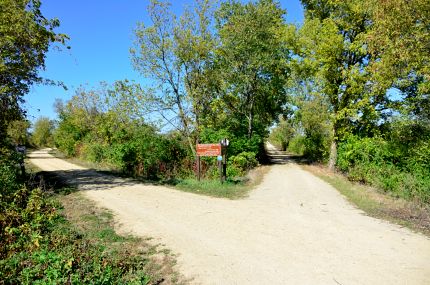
x=292 y=229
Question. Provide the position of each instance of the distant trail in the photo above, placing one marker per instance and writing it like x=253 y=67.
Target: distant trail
x=292 y=229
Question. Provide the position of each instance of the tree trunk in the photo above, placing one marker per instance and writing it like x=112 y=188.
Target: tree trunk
x=250 y=120
x=333 y=155
x=183 y=118
x=333 y=151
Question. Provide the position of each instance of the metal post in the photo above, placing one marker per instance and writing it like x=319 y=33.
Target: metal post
x=220 y=171
x=224 y=167
x=198 y=168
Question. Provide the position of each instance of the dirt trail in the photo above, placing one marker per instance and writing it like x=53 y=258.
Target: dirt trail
x=292 y=229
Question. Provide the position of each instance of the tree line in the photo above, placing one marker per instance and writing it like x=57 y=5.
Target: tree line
x=351 y=79
x=348 y=87
x=349 y=82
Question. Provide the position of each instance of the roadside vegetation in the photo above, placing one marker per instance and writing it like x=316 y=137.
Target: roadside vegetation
x=54 y=235
x=38 y=245
x=360 y=81
x=348 y=88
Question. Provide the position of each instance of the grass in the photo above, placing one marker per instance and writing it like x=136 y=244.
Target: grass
x=214 y=188
x=378 y=204
x=231 y=189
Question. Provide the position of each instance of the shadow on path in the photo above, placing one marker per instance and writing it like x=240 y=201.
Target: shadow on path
x=85 y=179
x=276 y=156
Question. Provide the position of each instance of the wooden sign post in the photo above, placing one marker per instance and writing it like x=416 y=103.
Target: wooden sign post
x=220 y=151
x=212 y=149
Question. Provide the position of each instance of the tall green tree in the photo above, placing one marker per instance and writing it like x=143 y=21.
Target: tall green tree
x=334 y=44
x=173 y=53
x=251 y=64
x=400 y=39
x=43 y=132
x=25 y=37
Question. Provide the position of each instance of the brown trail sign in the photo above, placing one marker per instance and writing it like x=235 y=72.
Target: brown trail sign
x=213 y=149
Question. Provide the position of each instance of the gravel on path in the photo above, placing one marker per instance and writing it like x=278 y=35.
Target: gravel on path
x=292 y=229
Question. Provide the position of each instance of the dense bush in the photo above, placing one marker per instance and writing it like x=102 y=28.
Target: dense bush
x=316 y=147
x=297 y=145
x=382 y=163
x=241 y=163
x=130 y=146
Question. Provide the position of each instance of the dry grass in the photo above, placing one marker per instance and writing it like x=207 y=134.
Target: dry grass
x=376 y=203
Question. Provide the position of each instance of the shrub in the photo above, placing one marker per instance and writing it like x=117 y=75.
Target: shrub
x=38 y=246
x=122 y=155
x=355 y=151
x=316 y=147
x=93 y=152
x=380 y=163
x=241 y=163
x=297 y=145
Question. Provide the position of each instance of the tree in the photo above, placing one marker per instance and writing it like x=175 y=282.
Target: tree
x=43 y=132
x=18 y=131
x=334 y=38
x=251 y=64
x=399 y=39
x=25 y=36
x=282 y=133
x=173 y=52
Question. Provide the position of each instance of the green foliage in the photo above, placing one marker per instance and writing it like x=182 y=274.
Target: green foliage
x=18 y=132
x=25 y=37
x=174 y=53
x=333 y=52
x=297 y=145
x=363 y=151
x=242 y=152
x=316 y=147
x=101 y=132
x=93 y=152
x=42 y=132
x=241 y=163
x=250 y=66
x=380 y=163
x=282 y=134
x=38 y=246
x=398 y=38
x=9 y=174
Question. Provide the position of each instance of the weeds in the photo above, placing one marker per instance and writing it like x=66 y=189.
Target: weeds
x=44 y=242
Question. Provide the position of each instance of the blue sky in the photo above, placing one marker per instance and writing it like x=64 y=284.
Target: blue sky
x=101 y=34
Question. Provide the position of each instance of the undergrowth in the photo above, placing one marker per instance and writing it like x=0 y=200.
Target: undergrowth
x=40 y=245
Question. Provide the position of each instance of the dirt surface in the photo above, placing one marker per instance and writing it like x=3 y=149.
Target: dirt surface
x=292 y=229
